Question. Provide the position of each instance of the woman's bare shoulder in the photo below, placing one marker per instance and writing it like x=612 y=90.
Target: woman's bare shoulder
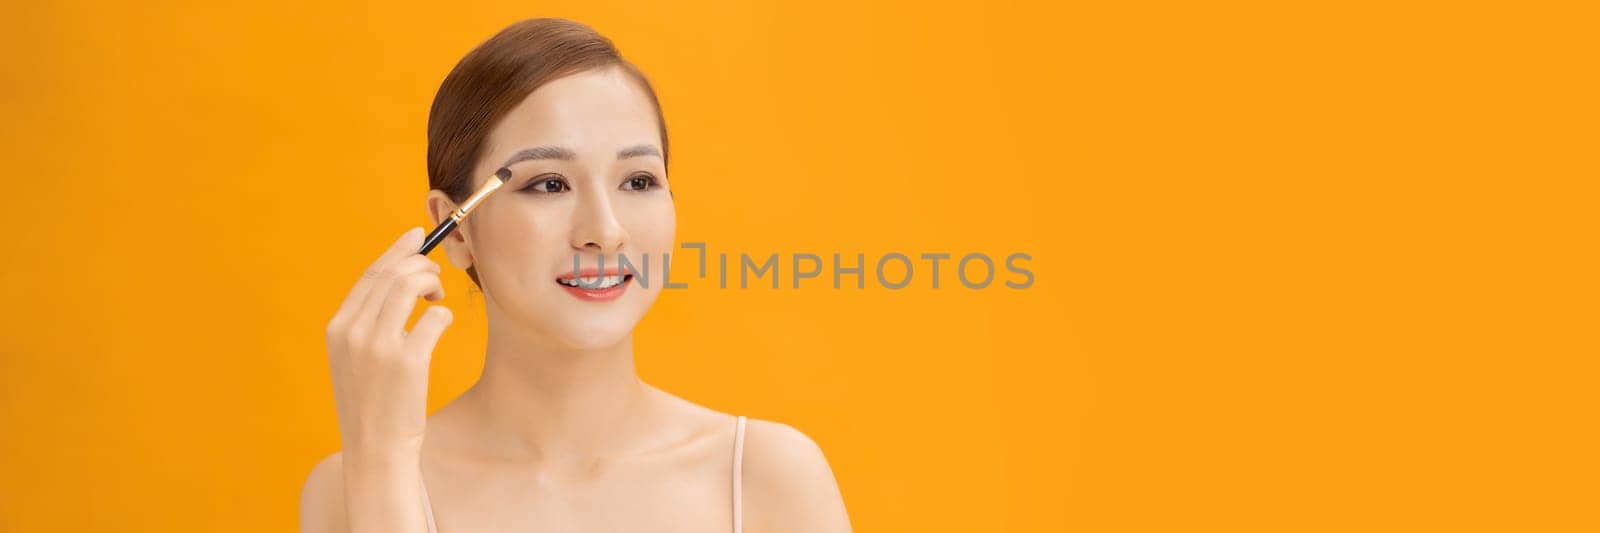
x=788 y=484
x=322 y=497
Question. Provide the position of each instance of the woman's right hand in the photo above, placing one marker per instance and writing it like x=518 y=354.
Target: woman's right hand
x=380 y=371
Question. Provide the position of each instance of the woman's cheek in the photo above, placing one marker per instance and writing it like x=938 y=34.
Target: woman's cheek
x=658 y=239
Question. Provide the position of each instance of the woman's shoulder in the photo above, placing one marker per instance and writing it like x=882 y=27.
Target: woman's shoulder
x=787 y=481
x=773 y=451
x=770 y=440
x=322 y=496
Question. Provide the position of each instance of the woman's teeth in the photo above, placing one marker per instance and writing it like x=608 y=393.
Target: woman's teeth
x=601 y=282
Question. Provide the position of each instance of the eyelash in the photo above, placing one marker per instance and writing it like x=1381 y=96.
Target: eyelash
x=650 y=183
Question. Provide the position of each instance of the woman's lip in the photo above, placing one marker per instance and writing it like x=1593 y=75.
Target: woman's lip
x=598 y=295
x=591 y=272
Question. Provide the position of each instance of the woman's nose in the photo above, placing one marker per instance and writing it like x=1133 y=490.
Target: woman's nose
x=595 y=226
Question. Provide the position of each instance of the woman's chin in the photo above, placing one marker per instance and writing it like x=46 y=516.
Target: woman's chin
x=582 y=325
x=598 y=335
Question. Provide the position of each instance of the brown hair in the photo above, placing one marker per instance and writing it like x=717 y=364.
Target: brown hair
x=499 y=74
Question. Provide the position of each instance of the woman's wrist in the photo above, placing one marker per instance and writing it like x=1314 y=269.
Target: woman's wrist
x=382 y=458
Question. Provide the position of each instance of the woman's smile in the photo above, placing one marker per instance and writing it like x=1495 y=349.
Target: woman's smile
x=595 y=286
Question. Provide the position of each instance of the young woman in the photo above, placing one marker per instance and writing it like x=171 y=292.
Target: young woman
x=559 y=433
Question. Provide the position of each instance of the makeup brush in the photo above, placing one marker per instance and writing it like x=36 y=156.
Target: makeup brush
x=438 y=234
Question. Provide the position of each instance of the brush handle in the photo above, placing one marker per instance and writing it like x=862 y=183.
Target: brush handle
x=437 y=235
x=444 y=228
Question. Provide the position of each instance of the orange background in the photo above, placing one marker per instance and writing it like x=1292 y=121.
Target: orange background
x=1297 y=266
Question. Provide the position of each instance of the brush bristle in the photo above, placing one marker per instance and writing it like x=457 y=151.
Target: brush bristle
x=503 y=174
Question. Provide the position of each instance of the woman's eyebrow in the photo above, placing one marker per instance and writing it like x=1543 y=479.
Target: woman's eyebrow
x=541 y=152
x=638 y=151
x=565 y=154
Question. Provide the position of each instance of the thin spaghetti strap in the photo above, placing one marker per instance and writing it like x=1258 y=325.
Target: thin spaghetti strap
x=738 y=474
x=427 y=508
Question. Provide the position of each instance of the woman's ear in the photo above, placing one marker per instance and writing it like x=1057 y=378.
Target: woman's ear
x=455 y=244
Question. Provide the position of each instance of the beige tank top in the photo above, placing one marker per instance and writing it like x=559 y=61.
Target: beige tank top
x=738 y=474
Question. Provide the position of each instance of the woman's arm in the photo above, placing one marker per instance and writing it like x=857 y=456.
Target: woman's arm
x=788 y=485
x=380 y=390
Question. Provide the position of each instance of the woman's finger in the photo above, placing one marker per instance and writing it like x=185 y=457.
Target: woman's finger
x=425 y=334
x=402 y=299
x=378 y=292
x=411 y=240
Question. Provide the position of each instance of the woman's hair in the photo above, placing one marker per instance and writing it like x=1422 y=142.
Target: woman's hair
x=499 y=74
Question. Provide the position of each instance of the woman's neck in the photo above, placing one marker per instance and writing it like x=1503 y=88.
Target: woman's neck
x=539 y=403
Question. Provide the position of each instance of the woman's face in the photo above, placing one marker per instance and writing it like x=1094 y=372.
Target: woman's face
x=592 y=185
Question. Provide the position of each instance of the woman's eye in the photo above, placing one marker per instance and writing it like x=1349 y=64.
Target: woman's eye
x=547 y=185
x=639 y=182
